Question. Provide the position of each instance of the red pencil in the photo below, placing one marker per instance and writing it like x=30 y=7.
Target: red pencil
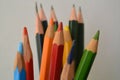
x=57 y=54
x=28 y=56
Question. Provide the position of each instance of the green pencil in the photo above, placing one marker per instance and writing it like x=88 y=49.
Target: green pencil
x=87 y=59
x=53 y=15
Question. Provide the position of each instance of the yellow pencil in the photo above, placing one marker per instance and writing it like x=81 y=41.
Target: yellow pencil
x=67 y=43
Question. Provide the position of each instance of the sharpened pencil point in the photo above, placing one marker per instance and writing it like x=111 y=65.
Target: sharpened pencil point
x=40 y=5
x=79 y=9
x=73 y=5
x=25 y=31
x=52 y=7
x=36 y=7
x=51 y=22
x=60 y=27
x=96 y=36
x=20 y=48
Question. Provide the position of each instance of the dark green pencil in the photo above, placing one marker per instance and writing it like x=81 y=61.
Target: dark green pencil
x=87 y=59
x=80 y=38
x=73 y=23
x=75 y=34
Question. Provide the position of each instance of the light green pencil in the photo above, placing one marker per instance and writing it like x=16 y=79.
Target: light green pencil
x=87 y=58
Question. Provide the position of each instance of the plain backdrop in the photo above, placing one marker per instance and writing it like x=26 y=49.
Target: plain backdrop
x=98 y=14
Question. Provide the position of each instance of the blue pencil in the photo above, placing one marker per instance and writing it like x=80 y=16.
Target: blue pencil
x=19 y=66
x=69 y=67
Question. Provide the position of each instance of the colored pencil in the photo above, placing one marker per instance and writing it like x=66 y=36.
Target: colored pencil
x=80 y=31
x=19 y=66
x=80 y=38
x=53 y=15
x=28 y=56
x=87 y=59
x=73 y=23
x=45 y=62
x=68 y=69
x=43 y=18
x=57 y=54
x=67 y=43
x=39 y=35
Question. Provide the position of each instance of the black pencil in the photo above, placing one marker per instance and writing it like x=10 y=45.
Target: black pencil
x=39 y=34
x=43 y=18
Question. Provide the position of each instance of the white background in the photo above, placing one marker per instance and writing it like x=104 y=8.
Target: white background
x=98 y=14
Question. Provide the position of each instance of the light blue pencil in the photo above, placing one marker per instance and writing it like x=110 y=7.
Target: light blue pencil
x=19 y=66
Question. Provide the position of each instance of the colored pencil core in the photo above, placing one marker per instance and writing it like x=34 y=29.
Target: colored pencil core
x=96 y=36
x=51 y=22
x=20 y=48
x=60 y=28
x=25 y=31
x=36 y=7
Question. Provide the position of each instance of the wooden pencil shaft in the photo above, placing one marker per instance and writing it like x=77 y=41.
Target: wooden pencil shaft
x=73 y=29
x=19 y=75
x=85 y=65
x=45 y=61
x=57 y=54
x=28 y=56
x=87 y=58
x=56 y=62
x=29 y=70
x=79 y=43
x=39 y=43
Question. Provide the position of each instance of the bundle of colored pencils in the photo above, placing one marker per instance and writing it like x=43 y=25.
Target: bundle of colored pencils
x=60 y=50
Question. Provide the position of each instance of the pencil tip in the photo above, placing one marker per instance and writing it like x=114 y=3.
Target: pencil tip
x=36 y=7
x=70 y=57
x=40 y=5
x=73 y=5
x=96 y=36
x=20 y=48
x=80 y=9
x=51 y=21
x=25 y=31
x=52 y=7
x=60 y=27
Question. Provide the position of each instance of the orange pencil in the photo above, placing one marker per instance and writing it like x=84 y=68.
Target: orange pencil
x=53 y=15
x=45 y=62
x=57 y=54
x=28 y=56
